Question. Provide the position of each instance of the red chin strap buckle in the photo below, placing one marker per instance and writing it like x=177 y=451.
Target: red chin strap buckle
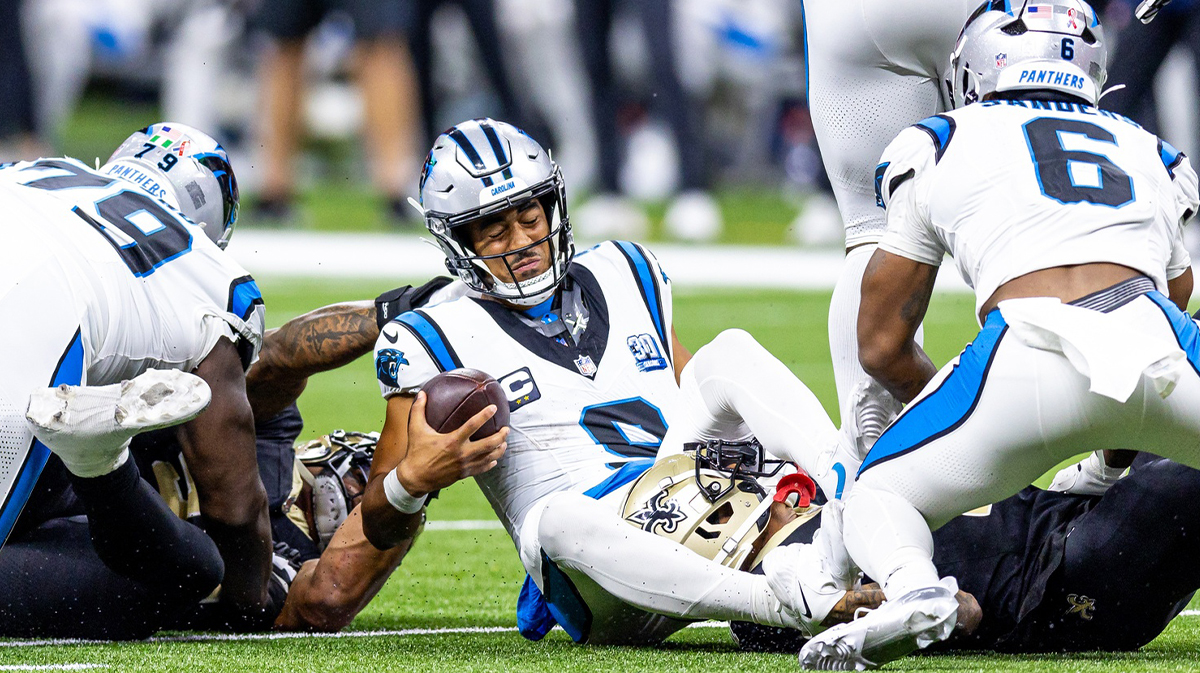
x=799 y=485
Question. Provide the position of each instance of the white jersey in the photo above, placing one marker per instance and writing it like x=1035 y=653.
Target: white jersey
x=147 y=287
x=1012 y=187
x=579 y=414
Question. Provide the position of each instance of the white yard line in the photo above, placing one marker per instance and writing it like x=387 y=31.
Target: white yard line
x=50 y=667
x=219 y=637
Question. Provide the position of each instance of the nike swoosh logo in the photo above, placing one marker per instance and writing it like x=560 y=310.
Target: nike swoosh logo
x=807 y=610
x=391 y=339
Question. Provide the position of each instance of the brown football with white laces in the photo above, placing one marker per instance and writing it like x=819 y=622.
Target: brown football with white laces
x=453 y=397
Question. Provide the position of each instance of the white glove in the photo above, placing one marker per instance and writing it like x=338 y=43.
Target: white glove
x=1089 y=476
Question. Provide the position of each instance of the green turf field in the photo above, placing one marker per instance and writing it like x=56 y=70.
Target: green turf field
x=464 y=583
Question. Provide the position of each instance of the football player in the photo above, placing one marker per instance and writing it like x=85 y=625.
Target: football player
x=585 y=348
x=120 y=274
x=1067 y=221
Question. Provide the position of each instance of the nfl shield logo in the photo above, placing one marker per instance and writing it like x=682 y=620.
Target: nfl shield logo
x=1002 y=60
x=585 y=365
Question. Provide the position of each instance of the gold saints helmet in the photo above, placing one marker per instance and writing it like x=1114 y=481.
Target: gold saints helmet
x=707 y=499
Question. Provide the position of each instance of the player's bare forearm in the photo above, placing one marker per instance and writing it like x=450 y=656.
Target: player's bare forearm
x=219 y=448
x=329 y=592
x=320 y=340
x=895 y=297
x=383 y=524
x=1180 y=289
x=424 y=461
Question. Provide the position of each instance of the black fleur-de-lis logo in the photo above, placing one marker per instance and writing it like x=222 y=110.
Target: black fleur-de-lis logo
x=658 y=515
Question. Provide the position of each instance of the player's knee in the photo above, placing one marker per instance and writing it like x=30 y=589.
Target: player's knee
x=729 y=350
x=567 y=521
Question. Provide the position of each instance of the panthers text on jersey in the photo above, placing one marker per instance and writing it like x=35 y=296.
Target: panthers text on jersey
x=99 y=282
x=583 y=416
x=1009 y=187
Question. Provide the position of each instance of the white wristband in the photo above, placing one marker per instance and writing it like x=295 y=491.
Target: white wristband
x=400 y=498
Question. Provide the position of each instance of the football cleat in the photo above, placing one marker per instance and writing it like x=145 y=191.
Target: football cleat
x=894 y=629
x=801 y=579
x=89 y=427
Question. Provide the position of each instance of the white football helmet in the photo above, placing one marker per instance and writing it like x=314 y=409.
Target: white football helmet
x=186 y=169
x=477 y=169
x=1014 y=45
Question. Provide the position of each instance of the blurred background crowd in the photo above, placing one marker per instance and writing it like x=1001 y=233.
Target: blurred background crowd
x=672 y=119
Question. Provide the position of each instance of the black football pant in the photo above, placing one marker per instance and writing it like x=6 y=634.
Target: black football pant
x=1130 y=565
x=118 y=572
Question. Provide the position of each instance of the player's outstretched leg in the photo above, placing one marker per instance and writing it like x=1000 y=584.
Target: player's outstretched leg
x=579 y=534
x=733 y=387
x=89 y=427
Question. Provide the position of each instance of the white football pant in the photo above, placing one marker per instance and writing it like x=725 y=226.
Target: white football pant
x=639 y=587
x=1037 y=386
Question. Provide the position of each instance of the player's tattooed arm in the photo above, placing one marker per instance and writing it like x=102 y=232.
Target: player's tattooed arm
x=330 y=591
x=320 y=340
x=895 y=296
x=869 y=597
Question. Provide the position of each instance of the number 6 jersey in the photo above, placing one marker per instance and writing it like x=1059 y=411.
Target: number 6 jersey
x=146 y=286
x=582 y=413
x=1009 y=187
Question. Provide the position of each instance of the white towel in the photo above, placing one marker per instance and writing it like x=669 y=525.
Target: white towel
x=1113 y=350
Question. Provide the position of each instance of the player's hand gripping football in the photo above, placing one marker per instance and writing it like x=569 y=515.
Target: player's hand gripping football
x=435 y=460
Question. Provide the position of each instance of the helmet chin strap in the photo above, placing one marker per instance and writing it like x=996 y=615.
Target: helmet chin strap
x=516 y=288
x=1116 y=87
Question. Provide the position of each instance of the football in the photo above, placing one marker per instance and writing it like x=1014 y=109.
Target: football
x=453 y=397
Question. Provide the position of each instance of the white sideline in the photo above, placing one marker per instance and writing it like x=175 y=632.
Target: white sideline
x=405 y=257
x=218 y=637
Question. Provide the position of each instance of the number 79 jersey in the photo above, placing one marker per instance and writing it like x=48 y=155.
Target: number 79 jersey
x=581 y=416
x=146 y=286
x=1009 y=187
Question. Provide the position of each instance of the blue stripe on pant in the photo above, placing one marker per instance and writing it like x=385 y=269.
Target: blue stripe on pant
x=947 y=407
x=537 y=614
x=69 y=371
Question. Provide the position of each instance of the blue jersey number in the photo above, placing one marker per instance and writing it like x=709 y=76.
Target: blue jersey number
x=1076 y=176
x=143 y=232
x=633 y=428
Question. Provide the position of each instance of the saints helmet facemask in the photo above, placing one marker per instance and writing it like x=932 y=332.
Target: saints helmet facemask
x=186 y=169
x=477 y=170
